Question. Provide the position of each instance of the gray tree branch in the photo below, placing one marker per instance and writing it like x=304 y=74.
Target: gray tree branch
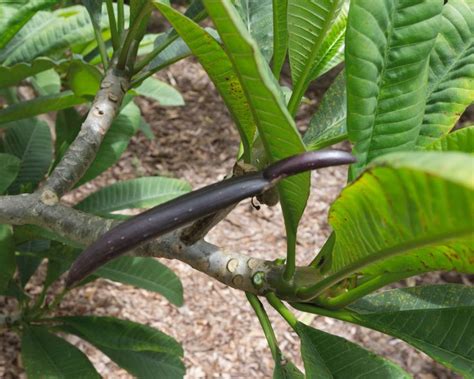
x=237 y=270
x=83 y=150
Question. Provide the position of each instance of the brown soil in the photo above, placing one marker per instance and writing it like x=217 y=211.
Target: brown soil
x=220 y=334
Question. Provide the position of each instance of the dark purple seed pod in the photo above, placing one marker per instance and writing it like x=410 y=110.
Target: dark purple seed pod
x=183 y=210
x=306 y=162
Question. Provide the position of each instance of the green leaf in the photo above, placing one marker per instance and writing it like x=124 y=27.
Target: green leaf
x=451 y=74
x=409 y=213
x=308 y=24
x=115 y=141
x=437 y=320
x=7 y=257
x=223 y=75
x=23 y=14
x=54 y=271
x=35 y=232
x=9 y=168
x=48 y=356
x=328 y=124
x=46 y=82
x=147 y=364
x=39 y=105
x=280 y=35
x=160 y=91
x=460 y=140
x=285 y=369
x=143 y=192
x=83 y=79
x=121 y=334
x=145 y=128
x=258 y=20
x=29 y=257
x=328 y=356
x=30 y=141
x=12 y=75
x=146 y=273
x=275 y=125
x=388 y=44
x=47 y=33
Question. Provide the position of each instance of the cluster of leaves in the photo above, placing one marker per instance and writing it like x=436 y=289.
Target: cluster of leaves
x=409 y=72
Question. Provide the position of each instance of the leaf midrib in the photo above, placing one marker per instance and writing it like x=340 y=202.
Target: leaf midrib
x=337 y=275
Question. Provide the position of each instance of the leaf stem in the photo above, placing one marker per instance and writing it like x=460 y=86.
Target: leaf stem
x=342 y=315
x=360 y=291
x=102 y=49
x=282 y=309
x=265 y=323
x=132 y=34
x=290 y=266
x=120 y=18
x=113 y=25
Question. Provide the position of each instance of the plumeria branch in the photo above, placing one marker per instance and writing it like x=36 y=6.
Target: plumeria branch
x=83 y=150
x=236 y=270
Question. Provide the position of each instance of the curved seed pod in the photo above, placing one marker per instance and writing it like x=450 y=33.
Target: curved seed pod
x=178 y=212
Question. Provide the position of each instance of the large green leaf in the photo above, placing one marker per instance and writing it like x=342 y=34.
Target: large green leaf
x=438 y=320
x=28 y=258
x=147 y=364
x=46 y=82
x=308 y=24
x=49 y=32
x=275 y=125
x=39 y=105
x=162 y=92
x=451 y=75
x=12 y=75
x=326 y=356
x=9 y=168
x=83 y=79
x=115 y=141
x=387 y=50
x=122 y=334
x=143 y=192
x=209 y=51
x=7 y=256
x=460 y=140
x=48 y=356
x=409 y=213
x=145 y=273
x=258 y=19
x=328 y=124
x=22 y=15
x=30 y=141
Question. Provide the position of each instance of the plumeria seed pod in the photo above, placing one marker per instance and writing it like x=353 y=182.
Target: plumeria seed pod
x=190 y=207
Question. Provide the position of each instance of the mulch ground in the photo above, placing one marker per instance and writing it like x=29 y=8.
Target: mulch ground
x=219 y=332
